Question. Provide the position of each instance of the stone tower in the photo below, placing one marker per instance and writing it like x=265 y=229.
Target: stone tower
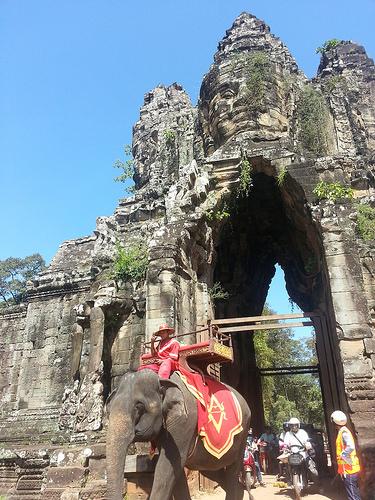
x=224 y=192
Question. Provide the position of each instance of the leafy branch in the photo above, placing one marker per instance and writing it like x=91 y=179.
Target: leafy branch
x=280 y=179
x=332 y=191
x=245 y=177
x=328 y=45
x=127 y=169
x=217 y=292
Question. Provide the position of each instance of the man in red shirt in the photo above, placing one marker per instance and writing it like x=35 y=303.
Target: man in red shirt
x=165 y=349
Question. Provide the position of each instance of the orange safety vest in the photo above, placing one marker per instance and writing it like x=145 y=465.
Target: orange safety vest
x=343 y=467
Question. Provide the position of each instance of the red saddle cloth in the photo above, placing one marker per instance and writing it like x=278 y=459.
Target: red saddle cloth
x=219 y=412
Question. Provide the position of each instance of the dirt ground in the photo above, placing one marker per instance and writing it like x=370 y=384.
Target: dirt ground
x=328 y=492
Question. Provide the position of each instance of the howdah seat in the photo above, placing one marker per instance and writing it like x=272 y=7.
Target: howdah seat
x=214 y=347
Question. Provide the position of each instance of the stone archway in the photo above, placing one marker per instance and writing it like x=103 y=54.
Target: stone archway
x=272 y=225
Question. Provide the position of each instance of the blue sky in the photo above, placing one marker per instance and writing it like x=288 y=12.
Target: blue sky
x=73 y=77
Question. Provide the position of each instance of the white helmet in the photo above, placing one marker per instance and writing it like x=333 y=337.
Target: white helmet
x=339 y=417
x=294 y=421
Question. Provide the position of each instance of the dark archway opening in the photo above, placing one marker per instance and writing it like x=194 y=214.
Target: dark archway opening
x=272 y=225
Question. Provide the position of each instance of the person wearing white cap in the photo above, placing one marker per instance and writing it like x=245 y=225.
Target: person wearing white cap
x=297 y=436
x=347 y=460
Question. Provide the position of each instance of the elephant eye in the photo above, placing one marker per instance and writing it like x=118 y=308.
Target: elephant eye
x=139 y=409
x=140 y=406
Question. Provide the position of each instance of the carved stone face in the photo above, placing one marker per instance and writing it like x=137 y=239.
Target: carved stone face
x=223 y=112
x=222 y=107
x=228 y=105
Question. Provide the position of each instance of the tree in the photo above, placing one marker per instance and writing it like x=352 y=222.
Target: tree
x=288 y=395
x=127 y=169
x=281 y=411
x=14 y=274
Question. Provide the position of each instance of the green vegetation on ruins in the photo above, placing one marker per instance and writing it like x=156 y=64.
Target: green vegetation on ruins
x=328 y=45
x=245 y=177
x=14 y=274
x=218 y=214
x=285 y=396
x=335 y=82
x=169 y=137
x=127 y=169
x=257 y=71
x=332 y=191
x=217 y=292
x=313 y=118
x=365 y=221
x=225 y=208
x=130 y=263
x=280 y=178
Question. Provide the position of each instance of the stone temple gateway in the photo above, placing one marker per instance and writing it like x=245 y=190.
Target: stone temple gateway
x=224 y=192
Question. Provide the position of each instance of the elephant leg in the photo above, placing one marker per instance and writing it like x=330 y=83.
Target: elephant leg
x=233 y=488
x=168 y=470
x=181 y=489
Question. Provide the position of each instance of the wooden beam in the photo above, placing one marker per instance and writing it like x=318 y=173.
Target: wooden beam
x=302 y=367
x=231 y=321
x=272 y=326
x=291 y=372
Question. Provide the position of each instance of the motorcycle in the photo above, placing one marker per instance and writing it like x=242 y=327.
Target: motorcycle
x=298 y=470
x=264 y=456
x=248 y=475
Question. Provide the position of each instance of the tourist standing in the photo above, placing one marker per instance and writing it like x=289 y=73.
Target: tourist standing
x=346 y=455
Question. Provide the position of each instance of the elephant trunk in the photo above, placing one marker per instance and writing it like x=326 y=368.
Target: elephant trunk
x=119 y=435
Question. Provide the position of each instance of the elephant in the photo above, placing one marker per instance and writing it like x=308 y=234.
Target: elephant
x=145 y=408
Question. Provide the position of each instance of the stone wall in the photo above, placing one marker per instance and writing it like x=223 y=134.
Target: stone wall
x=204 y=221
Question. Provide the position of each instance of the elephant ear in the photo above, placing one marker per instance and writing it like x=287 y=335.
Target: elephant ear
x=173 y=406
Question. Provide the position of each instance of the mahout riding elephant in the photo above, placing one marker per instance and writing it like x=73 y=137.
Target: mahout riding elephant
x=147 y=408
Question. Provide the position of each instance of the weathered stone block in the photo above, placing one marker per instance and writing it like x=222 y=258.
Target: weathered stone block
x=65 y=476
x=351 y=349
x=30 y=483
x=342 y=284
x=360 y=367
x=95 y=490
x=97 y=468
x=60 y=494
x=159 y=301
x=370 y=345
x=162 y=313
x=120 y=357
x=355 y=332
x=362 y=405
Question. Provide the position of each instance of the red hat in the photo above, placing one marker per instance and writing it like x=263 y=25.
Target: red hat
x=165 y=328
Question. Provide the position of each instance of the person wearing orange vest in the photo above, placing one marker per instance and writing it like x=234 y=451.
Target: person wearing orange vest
x=347 y=460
